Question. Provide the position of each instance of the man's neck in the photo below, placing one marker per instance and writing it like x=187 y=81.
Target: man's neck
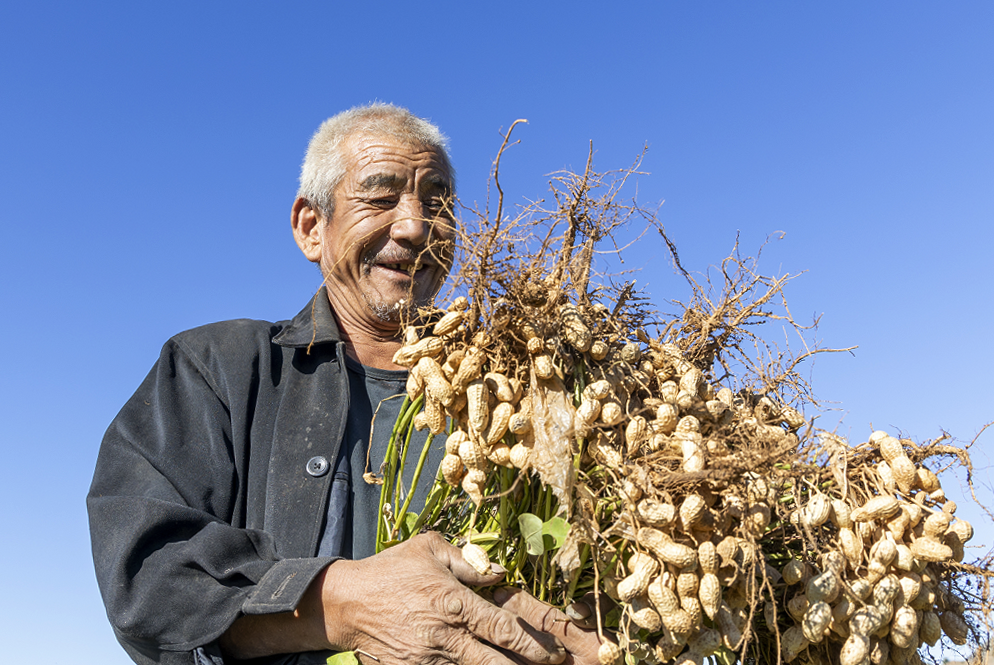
x=370 y=346
x=371 y=351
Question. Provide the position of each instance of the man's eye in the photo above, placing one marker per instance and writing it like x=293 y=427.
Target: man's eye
x=437 y=204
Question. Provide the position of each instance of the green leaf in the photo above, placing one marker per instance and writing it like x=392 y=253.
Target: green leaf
x=407 y=525
x=434 y=496
x=556 y=527
x=613 y=618
x=725 y=657
x=531 y=533
x=480 y=537
x=343 y=658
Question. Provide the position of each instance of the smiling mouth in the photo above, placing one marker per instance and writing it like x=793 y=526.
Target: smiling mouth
x=413 y=269
x=409 y=268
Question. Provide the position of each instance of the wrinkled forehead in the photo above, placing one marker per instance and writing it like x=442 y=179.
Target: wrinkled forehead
x=385 y=160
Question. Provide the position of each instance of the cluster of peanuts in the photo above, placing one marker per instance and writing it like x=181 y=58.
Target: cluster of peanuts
x=691 y=567
x=688 y=599
x=636 y=402
x=457 y=380
x=685 y=590
x=876 y=596
x=879 y=596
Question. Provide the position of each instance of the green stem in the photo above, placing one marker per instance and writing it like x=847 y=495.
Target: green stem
x=493 y=523
x=414 y=480
x=437 y=495
x=579 y=382
x=441 y=502
x=584 y=553
x=406 y=426
x=541 y=581
x=404 y=418
x=546 y=562
x=518 y=563
x=399 y=477
x=388 y=468
x=505 y=508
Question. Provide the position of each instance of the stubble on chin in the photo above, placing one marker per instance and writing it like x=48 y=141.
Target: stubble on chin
x=393 y=312
x=394 y=309
x=383 y=311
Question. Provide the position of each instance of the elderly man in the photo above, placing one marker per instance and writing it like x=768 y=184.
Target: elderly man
x=227 y=511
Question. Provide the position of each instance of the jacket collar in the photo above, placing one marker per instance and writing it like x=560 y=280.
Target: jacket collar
x=315 y=324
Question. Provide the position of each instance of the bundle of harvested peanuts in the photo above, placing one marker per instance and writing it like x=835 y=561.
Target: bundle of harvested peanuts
x=587 y=456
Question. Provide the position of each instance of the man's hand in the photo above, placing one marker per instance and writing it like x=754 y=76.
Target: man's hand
x=581 y=644
x=409 y=604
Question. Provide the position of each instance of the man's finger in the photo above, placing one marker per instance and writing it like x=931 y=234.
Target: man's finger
x=501 y=628
x=478 y=653
x=577 y=611
x=582 y=611
x=451 y=557
x=581 y=645
x=531 y=609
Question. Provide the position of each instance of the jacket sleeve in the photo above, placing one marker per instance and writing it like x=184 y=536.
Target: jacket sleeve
x=173 y=570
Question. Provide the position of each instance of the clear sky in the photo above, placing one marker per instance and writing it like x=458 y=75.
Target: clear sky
x=149 y=155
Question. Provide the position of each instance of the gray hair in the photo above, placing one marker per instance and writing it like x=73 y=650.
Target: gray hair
x=324 y=164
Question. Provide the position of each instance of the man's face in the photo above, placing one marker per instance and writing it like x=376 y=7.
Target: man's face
x=390 y=237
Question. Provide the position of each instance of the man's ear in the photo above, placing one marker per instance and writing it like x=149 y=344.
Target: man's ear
x=307 y=229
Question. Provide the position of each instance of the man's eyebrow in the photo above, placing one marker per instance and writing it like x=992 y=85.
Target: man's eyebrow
x=382 y=181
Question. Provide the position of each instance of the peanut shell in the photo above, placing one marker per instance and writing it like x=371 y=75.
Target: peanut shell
x=643 y=567
x=877 y=508
x=496 y=428
x=692 y=509
x=930 y=630
x=709 y=593
x=453 y=470
x=644 y=615
x=890 y=448
x=473 y=483
x=665 y=549
x=707 y=555
x=930 y=549
x=448 y=323
x=793 y=642
x=905 y=473
x=499 y=385
x=434 y=379
x=599 y=349
x=954 y=627
x=855 y=650
x=409 y=354
x=575 y=331
x=477 y=557
x=612 y=412
x=656 y=513
x=793 y=572
x=520 y=455
x=903 y=627
x=609 y=653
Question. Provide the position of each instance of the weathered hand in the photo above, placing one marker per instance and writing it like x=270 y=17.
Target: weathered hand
x=409 y=604
x=581 y=644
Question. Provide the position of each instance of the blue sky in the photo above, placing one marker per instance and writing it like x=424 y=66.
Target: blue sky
x=149 y=155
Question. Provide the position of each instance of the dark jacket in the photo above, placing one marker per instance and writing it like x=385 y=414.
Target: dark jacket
x=209 y=491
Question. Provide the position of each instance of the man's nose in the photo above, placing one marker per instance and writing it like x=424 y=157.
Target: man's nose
x=411 y=224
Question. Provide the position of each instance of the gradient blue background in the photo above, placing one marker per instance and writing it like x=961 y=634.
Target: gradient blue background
x=149 y=155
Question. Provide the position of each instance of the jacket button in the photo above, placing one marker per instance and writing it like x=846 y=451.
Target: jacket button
x=317 y=466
